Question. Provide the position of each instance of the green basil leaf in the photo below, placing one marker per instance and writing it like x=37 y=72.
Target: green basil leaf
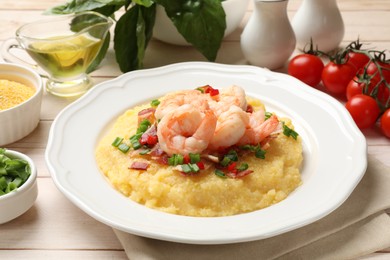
x=132 y=34
x=201 y=22
x=146 y=3
x=75 y=6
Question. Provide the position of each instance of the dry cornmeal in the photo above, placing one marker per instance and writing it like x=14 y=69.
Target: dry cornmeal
x=205 y=194
x=13 y=93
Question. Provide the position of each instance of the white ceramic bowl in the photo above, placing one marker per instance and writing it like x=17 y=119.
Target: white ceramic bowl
x=19 y=121
x=165 y=31
x=17 y=202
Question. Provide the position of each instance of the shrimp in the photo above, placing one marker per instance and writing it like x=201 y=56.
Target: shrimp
x=258 y=128
x=186 y=130
x=228 y=97
x=175 y=100
x=230 y=128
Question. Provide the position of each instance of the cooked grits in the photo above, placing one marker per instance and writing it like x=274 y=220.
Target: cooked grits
x=204 y=194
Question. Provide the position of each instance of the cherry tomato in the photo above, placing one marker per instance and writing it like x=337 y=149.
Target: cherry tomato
x=356 y=86
x=372 y=69
x=385 y=123
x=337 y=76
x=307 y=68
x=359 y=60
x=363 y=109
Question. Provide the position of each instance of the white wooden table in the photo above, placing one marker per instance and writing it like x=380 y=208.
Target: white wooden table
x=54 y=227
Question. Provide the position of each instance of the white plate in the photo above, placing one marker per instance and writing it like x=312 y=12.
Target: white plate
x=334 y=153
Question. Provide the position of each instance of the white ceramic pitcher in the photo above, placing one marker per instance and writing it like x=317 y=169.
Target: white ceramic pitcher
x=268 y=39
x=320 y=20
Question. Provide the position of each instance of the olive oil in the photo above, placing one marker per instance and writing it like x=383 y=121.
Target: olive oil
x=65 y=57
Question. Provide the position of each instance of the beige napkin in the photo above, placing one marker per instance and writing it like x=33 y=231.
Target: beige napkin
x=358 y=227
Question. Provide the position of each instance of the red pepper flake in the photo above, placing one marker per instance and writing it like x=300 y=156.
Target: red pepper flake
x=152 y=140
x=232 y=167
x=209 y=90
x=149 y=137
x=212 y=91
x=200 y=165
x=186 y=159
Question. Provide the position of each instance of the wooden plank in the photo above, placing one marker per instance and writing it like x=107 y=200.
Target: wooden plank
x=292 y=5
x=55 y=223
x=29 y=4
x=27 y=254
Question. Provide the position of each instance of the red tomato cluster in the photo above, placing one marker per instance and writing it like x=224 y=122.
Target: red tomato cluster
x=363 y=77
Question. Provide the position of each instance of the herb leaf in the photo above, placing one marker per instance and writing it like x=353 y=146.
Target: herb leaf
x=132 y=34
x=287 y=131
x=201 y=22
x=75 y=6
x=146 y=3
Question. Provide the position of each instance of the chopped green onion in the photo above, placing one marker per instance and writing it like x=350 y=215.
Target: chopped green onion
x=124 y=148
x=200 y=89
x=267 y=115
x=155 y=103
x=287 y=131
x=11 y=186
x=175 y=159
x=134 y=140
x=186 y=168
x=13 y=172
x=243 y=167
x=225 y=161
x=136 y=145
x=247 y=147
x=146 y=151
x=17 y=181
x=194 y=167
x=117 y=141
x=3 y=183
x=194 y=157
x=143 y=126
x=229 y=157
x=259 y=153
x=232 y=155
x=189 y=168
x=219 y=173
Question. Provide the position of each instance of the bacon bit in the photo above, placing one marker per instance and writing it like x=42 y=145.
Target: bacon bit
x=139 y=166
x=162 y=159
x=238 y=174
x=147 y=113
x=243 y=173
x=157 y=151
x=158 y=155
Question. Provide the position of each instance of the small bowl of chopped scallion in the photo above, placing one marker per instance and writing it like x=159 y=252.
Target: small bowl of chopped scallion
x=18 y=186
